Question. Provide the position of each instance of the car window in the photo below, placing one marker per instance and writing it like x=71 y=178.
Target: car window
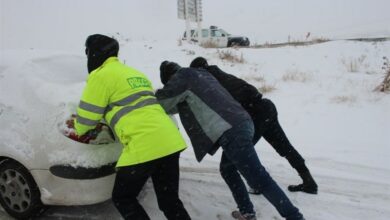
x=224 y=32
x=216 y=33
x=205 y=33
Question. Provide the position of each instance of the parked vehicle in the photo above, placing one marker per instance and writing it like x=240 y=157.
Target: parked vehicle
x=217 y=37
x=40 y=166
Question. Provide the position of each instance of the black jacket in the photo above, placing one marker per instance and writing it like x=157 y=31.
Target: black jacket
x=206 y=109
x=243 y=92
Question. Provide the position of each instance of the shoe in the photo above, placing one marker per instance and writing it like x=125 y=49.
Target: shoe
x=247 y=216
x=298 y=216
x=308 y=185
x=311 y=189
x=255 y=191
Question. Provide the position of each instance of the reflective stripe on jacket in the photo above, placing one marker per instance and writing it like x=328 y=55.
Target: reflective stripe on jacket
x=124 y=98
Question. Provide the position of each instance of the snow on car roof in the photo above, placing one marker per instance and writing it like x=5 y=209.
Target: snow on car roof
x=37 y=94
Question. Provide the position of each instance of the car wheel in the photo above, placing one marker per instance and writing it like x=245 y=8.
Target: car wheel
x=19 y=194
x=234 y=44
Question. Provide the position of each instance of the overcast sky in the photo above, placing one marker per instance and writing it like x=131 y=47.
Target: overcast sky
x=63 y=24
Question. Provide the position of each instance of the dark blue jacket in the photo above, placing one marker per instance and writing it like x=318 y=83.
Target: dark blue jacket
x=206 y=109
x=243 y=92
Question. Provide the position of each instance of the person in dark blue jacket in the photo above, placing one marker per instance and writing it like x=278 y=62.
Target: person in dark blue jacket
x=213 y=119
x=265 y=118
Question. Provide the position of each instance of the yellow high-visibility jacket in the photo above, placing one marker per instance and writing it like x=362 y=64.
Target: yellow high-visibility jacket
x=124 y=97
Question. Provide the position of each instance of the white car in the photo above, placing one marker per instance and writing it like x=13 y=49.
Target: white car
x=38 y=165
x=217 y=37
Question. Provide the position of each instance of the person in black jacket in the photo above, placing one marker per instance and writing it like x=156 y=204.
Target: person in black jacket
x=265 y=119
x=212 y=118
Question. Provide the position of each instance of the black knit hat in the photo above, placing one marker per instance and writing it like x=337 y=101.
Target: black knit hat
x=102 y=44
x=98 y=49
x=167 y=70
x=199 y=62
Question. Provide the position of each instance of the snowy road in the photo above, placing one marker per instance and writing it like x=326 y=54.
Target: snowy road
x=100 y=211
x=347 y=192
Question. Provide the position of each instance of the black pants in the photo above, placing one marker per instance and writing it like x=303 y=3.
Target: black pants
x=165 y=176
x=265 y=120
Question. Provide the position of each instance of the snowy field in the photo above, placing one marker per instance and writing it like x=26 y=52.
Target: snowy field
x=329 y=113
x=323 y=93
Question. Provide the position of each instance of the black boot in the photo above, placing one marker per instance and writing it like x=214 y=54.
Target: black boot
x=308 y=185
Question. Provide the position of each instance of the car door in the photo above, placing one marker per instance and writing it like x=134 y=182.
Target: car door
x=205 y=36
x=220 y=39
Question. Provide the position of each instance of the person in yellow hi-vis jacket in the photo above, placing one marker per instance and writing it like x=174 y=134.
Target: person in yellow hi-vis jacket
x=152 y=143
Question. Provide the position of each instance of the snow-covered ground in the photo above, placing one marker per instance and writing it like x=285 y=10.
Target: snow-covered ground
x=329 y=113
x=323 y=92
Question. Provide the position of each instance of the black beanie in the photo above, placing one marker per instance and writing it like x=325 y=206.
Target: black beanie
x=98 y=49
x=199 y=62
x=167 y=70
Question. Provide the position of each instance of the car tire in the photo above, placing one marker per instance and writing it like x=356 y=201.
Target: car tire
x=233 y=44
x=19 y=194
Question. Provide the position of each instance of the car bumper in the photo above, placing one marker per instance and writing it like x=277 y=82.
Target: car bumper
x=60 y=191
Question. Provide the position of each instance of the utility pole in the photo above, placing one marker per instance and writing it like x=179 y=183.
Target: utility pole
x=190 y=11
x=188 y=21
x=199 y=19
